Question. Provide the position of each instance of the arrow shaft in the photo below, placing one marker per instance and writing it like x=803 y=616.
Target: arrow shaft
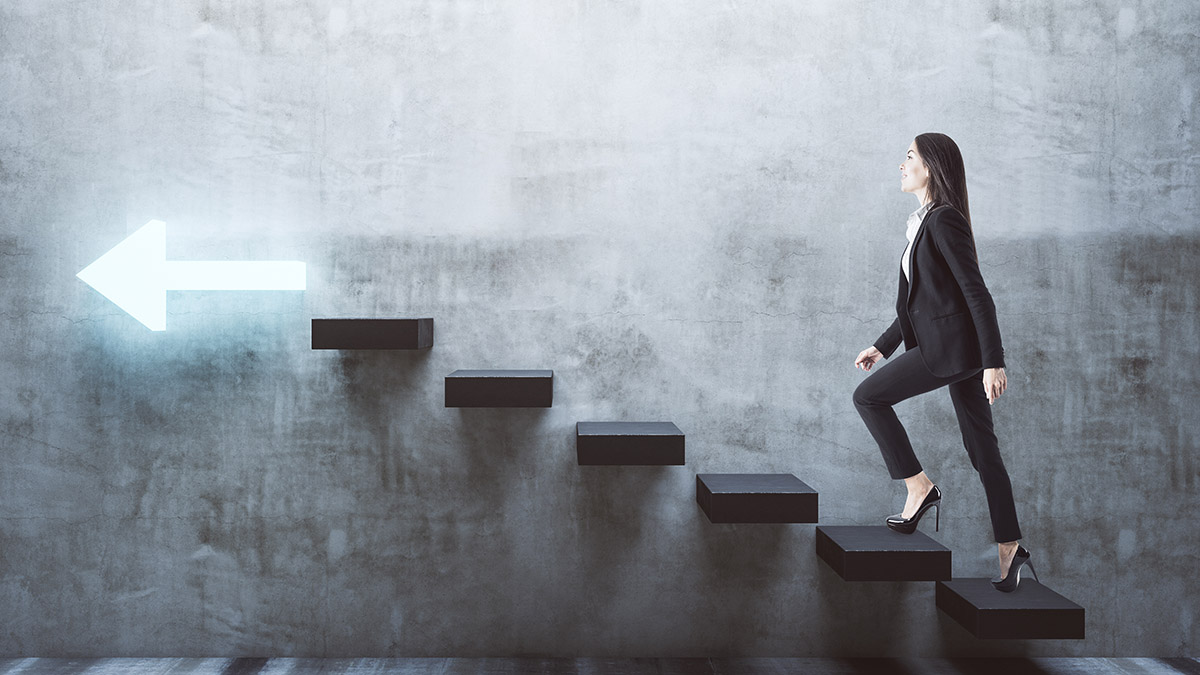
x=223 y=275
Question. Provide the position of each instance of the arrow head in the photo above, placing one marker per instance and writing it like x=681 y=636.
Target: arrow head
x=131 y=275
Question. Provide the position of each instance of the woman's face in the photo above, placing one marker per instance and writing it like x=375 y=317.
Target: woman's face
x=913 y=174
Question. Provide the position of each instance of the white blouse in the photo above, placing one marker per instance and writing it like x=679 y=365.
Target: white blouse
x=914 y=224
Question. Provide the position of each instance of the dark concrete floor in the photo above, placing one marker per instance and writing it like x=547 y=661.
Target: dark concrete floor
x=638 y=666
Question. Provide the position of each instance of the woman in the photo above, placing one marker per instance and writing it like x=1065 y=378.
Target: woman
x=947 y=321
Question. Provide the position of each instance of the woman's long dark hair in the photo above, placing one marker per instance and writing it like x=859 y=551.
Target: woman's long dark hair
x=947 y=177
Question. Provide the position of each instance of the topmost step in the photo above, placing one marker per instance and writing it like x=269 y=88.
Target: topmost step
x=372 y=333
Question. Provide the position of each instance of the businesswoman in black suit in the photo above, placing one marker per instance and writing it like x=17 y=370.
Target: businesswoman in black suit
x=947 y=321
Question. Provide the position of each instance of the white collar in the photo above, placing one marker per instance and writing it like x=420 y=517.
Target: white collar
x=924 y=209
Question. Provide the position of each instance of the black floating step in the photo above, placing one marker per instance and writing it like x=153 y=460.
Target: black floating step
x=630 y=443
x=876 y=553
x=1032 y=611
x=756 y=498
x=500 y=389
x=372 y=333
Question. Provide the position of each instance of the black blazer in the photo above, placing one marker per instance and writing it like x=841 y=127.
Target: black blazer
x=947 y=310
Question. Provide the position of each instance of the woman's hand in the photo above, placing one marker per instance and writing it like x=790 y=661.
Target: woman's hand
x=867 y=358
x=994 y=383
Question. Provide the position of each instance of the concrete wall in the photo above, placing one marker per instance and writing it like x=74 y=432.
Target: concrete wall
x=689 y=210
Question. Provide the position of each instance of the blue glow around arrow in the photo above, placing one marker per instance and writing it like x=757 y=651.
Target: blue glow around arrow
x=136 y=275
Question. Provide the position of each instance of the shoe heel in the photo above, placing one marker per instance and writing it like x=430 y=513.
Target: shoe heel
x=937 y=517
x=1035 y=576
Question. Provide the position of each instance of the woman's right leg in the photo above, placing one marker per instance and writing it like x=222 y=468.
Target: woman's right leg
x=979 y=438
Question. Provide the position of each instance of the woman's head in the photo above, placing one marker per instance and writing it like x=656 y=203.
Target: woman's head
x=934 y=165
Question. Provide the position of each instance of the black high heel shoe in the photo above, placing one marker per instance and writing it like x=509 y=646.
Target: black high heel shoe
x=1010 y=581
x=909 y=525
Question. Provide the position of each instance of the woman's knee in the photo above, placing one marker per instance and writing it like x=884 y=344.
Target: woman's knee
x=990 y=467
x=862 y=395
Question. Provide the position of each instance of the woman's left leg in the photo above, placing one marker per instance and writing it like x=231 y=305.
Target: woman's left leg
x=904 y=377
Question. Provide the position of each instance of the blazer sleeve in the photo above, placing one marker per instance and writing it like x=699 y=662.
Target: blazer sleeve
x=890 y=340
x=952 y=235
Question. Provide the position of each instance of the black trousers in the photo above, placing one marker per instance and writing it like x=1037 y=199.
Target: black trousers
x=906 y=376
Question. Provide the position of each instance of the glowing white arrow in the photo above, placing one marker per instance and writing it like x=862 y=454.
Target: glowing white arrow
x=136 y=275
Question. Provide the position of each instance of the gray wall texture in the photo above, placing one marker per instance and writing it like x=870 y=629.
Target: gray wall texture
x=689 y=210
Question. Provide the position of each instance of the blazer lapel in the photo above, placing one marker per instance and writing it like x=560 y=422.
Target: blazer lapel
x=912 y=255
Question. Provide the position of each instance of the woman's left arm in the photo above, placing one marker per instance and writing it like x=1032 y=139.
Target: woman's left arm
x=952 y=235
